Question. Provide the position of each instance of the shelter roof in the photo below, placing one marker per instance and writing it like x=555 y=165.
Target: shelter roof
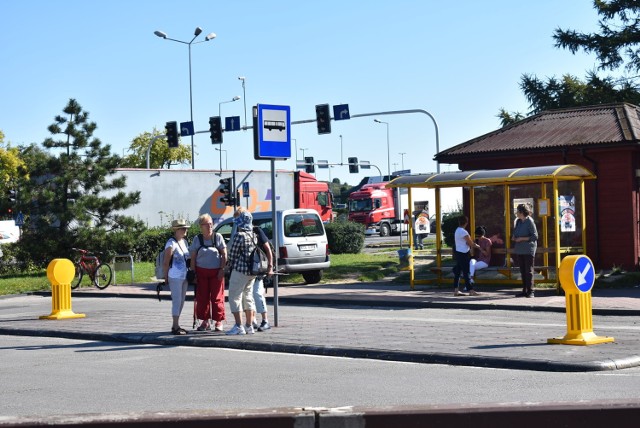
x=536 y=174
x=575 y=127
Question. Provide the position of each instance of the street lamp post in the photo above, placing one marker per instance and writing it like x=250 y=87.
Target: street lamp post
x=340 y=150
x=236 y=98
x=226 y=165
x=196 y=33
x=388 y=156
x=402 y=159
x=244 y=97
x=303 y=150
x=295 y=151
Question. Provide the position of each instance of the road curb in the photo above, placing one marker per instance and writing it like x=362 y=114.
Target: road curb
x=219 y=340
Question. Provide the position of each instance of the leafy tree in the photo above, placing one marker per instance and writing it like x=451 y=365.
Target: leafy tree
x=66 y=193
x=12 y=168
x=617 y=38
x=160 y=156
x=619 y=35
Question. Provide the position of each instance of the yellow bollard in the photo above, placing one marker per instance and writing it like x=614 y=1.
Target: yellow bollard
x=60 y=273
x=577 y=276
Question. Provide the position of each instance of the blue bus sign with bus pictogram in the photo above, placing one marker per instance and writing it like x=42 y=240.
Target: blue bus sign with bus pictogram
x=272 y=132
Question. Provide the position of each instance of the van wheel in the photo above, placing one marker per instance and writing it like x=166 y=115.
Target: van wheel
x=385 y=230
x=312 y=277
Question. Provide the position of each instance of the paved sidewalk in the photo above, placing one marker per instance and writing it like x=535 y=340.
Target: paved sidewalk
x=518 y=342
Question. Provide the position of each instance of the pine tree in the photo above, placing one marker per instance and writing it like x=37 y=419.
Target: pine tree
x=74 y=202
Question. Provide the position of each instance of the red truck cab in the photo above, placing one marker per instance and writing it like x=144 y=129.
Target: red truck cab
x=313 y=194
x=373 y=205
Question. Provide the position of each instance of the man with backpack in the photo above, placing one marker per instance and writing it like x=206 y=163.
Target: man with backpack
x=208 y=260
x=241 y=280
x=259 y=288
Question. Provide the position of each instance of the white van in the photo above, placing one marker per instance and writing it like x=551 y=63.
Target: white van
x=302 y=241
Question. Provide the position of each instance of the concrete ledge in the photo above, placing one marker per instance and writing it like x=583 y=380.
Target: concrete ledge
x=477 y=415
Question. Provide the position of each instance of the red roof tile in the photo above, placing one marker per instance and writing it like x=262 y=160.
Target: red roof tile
x=582 y=126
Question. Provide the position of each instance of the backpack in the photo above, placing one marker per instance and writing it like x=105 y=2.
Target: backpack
x=258 y=261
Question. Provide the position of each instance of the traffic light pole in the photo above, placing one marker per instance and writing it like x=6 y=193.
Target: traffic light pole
x=363 y=166
x=382 y=113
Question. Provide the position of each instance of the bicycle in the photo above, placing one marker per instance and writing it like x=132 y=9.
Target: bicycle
x=89 y=264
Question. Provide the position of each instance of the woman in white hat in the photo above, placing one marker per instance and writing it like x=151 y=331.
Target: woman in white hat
x=175 y=270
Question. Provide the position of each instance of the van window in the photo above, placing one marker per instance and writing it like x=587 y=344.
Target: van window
x=303 y=225
x=225 y=231
x=266 y=225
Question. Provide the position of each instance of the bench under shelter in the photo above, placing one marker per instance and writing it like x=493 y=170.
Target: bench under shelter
x=555 y=194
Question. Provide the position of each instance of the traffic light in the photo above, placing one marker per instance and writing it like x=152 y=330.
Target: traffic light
x=11 y=196
x=353 y=165
x=215 y=128
x=310 y=165
x=227 y=192
x=171 y=130
x=323 y=119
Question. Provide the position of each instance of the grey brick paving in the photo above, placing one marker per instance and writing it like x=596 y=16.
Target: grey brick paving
x=377 y=320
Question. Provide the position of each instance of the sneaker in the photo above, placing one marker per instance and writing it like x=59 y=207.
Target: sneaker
x=218 y=327
x=264 y=326
x=521 y=294
x=473 y=293
x=236 y=329
x=529 y=295
x=255 y=325
x=456 y=293
x=249 y=329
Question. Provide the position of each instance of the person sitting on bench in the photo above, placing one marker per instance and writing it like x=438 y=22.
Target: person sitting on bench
x=483 y=253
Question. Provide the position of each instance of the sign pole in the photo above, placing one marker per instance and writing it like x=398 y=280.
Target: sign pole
x=274 y=222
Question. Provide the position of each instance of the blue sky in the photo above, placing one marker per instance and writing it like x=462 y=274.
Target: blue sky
x=460 y=61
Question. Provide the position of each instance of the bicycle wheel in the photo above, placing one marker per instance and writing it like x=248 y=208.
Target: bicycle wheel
x=102 y=276
x=77 y=279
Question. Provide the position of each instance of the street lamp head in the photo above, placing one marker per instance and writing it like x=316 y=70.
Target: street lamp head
x=210 y=36
x=160 y=34
x=236 y=98
x=376 y=120
x=241 y=78
x=197 y=31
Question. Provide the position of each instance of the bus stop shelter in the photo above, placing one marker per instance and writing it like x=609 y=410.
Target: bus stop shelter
x=555 y=195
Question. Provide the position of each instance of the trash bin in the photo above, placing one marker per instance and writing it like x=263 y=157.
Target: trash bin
x=406 y=259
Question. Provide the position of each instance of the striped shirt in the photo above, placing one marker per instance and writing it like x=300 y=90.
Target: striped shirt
x=241 y=248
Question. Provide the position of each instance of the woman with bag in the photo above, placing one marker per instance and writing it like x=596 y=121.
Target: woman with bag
x=208 y=259
x=175 y=271
x=525 y=238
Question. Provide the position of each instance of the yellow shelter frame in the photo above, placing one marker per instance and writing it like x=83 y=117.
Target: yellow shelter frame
x=469 y=180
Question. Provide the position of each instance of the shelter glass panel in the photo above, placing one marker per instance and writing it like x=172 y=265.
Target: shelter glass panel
x=527 y=194
x=569 y=215
x=489 y=213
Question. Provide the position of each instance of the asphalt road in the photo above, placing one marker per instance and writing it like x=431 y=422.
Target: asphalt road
x=44 y=376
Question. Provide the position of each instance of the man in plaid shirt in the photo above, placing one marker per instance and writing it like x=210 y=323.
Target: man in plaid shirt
x=241 y=280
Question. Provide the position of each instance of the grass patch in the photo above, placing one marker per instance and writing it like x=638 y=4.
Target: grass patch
x=361 y=267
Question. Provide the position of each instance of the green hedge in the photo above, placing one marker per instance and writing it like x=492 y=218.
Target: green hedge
x=345 y=237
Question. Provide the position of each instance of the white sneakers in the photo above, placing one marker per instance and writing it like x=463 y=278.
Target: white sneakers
x=238 y=329
x=247 y=329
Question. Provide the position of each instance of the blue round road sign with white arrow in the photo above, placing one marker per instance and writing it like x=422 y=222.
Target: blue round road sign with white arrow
x=584 y=274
